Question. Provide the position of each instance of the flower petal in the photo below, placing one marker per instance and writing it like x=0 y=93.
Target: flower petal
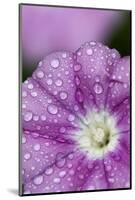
x=69 y=177
x=117 y=165
x=120 y=83
x=40 y=153
x=56 y=74
x=97 y=63
x=47 y=29
x=43 y=113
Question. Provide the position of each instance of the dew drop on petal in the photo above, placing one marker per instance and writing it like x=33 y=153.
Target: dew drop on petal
x=28 y=116
x=111 y=180
x=56 y=180
x=89 y=52
x=36 y=147
x=92 y=43
x=71 y=117
x=77 y=80
x=55 y=63
x=43 y=117
x=59 y=82
x=79 y=95
x=60 y=160
x=40 y=74
x=49 y=81
x=33 y=94
x=63 y=95
x=38 y=180
x=36 y=118
x=77 y=67
x=62 y=174
x=24 y=94
x=62 y=130
x=30 y=86
x=27 y=156
x=52 y=109
x=98 y=88
x=108 y=168
x=49 y=171
x=23 y=140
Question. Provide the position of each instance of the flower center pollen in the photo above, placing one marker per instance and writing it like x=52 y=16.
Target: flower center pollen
x=98 y=134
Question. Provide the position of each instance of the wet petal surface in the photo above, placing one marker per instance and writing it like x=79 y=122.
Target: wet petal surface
x=77 y=98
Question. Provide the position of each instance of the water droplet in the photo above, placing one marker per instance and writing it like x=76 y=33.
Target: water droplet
x=62 y=174
x=81 y=176
x=125 y=85
x=36 y=118
x=27 y=156
x=70 y=156
x=108 y=167
x=28 y=116
x=77 y=80
x=23 y=140
x=49 y=81
x=111 y=180
x=77 y=67
x=76 y=108
x=40 y=74
x=113 y=55
x=52 y=109
x=38 y=180
x=49 y=171
x=24 y=106
x=35 y=135
x=63 y=95
x=71 y=118
x=98 y=88
x=30 y=86
x=55 y=63
x=60 y=160
x=79 y=95
x=34 y=94
x=24 y=94
x=36 y=147
x=89 y=52
x=97 y=79
x=56 y=180
x=43 y=117
x=62 y=130
x=92 y=43
x=109 y=62
x=59 y=82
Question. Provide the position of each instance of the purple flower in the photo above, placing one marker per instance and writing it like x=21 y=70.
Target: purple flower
x=76 y=122
x=47 y=29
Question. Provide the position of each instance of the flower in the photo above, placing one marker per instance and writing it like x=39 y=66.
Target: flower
x=40 y=25
x=76 y=122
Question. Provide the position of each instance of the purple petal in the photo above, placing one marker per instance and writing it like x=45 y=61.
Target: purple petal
x=43 y=113
x=97 y=63
x=47 y=29
x=39 y=153
x=70 y=175
x=56 y=74
x=120 y=83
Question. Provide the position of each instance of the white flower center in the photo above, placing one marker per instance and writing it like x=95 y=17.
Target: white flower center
x=98 y=136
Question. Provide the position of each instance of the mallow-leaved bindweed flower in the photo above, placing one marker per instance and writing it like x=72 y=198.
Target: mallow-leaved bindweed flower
x=76 y=122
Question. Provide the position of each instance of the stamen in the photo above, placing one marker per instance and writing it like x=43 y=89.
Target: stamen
x=97 y=138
